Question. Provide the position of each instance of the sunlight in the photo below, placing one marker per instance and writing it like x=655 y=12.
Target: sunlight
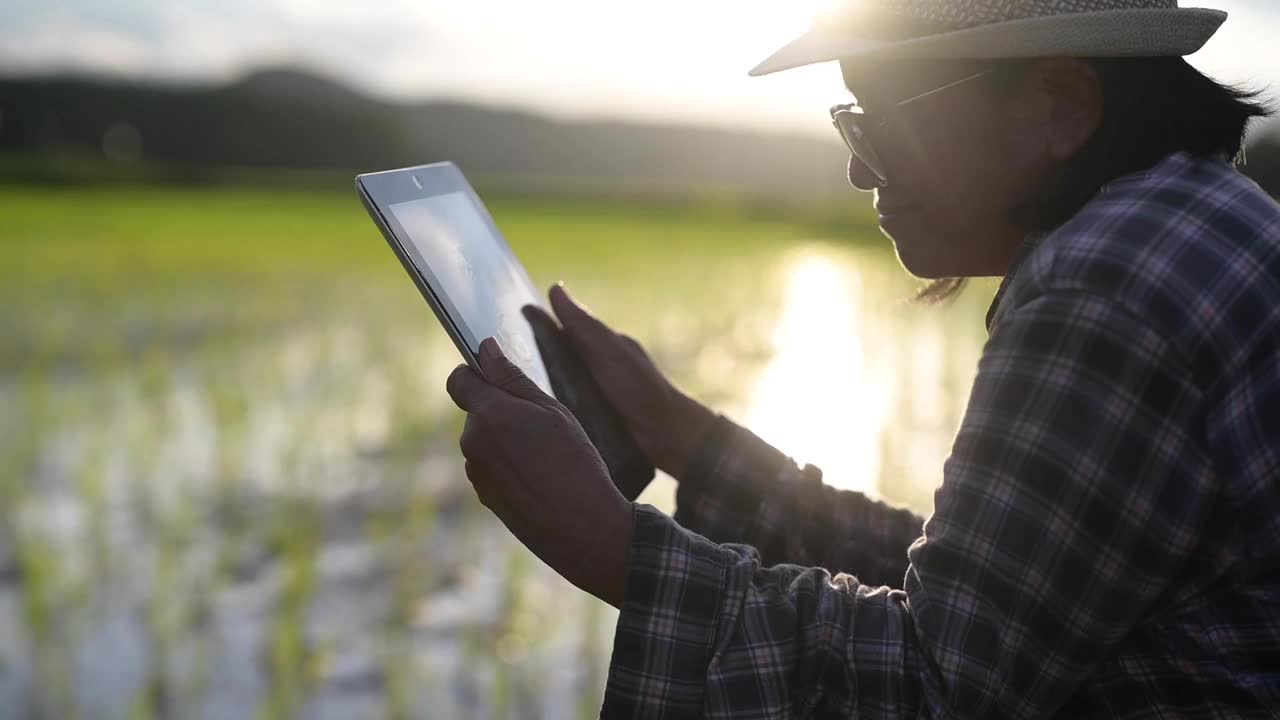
x=666 y=60
x=817 y=399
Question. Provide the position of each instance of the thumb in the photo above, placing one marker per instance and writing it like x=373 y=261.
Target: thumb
x=504 y=374
x=468 y=390
x=585 y=331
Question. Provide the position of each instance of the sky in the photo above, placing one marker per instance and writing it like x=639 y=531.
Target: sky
x=664 y=60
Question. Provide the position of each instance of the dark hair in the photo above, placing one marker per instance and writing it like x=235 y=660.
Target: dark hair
x=1153 y=107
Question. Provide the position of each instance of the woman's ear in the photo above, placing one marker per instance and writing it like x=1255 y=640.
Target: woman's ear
x=1073 y=92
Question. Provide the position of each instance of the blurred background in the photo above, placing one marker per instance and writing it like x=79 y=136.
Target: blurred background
x=229 y=482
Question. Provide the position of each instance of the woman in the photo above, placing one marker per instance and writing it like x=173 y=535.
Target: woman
x=1106 y=536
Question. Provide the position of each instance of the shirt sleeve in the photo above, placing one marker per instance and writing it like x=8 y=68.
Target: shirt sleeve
x=740 y=489
x=1066 y=510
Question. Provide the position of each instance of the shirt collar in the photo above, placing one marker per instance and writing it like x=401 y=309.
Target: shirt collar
x=1170 y=165
x=1028 y=244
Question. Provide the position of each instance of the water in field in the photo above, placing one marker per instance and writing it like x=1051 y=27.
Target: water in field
x=229 y=470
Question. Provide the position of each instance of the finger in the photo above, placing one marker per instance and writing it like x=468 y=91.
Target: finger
x=634 y=345
x=473 y=441
x=469 y=391
x=505 y=375
x=585 y=331
x=481 y=481
x=533 y=314
x=489 y=492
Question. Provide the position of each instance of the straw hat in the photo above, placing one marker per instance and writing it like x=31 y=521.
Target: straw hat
x=989 y=29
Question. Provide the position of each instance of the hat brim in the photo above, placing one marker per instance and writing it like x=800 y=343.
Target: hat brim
x=1111 y=33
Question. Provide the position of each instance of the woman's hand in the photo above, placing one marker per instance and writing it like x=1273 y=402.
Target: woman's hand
x=666 y=423
x=533 y=466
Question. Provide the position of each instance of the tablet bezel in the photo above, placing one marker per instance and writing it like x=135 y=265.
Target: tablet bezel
x=379 y=190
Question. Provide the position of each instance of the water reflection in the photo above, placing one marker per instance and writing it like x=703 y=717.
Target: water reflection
x=818 y=399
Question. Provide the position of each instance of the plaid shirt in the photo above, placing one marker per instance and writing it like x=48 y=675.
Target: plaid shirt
x=1105 y=541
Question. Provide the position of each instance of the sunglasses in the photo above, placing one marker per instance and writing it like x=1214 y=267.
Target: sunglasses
x=853 y=123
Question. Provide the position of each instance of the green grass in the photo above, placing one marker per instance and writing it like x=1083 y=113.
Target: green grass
x=147 y=238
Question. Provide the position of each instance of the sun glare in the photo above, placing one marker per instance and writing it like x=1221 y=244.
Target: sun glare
x=817 y=399
x=676 y=60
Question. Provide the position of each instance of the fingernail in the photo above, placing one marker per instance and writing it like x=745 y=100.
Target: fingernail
x=489 y=349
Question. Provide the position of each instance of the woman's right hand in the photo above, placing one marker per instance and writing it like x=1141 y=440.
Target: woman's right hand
x=666 y=423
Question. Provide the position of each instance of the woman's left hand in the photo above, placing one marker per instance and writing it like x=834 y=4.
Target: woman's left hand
x=531 y=464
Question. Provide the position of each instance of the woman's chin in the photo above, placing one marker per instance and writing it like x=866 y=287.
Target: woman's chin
x=922 y=259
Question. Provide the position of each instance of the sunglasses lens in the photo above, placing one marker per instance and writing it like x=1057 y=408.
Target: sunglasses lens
x=865 y=169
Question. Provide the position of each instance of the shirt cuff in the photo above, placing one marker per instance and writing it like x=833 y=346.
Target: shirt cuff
x=666 y=629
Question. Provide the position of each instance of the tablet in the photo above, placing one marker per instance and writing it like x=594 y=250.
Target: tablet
x=449 y=244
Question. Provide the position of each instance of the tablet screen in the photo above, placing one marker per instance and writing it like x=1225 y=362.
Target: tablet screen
x=476 y=272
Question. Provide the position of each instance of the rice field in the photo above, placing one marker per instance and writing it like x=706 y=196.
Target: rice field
x=229 y=478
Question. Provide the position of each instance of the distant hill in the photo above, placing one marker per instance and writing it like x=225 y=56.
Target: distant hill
x=290 y=119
